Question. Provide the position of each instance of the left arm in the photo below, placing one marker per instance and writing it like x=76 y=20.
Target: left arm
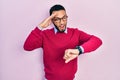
x=87 y=42
x=91 y=44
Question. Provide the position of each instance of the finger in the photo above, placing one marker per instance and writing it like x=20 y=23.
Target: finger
x=53 y=15
x=65 y=57
x=67 y=60
x=50 y=22
x=68 y=54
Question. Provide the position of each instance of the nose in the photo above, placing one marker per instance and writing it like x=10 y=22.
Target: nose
x=62 y=21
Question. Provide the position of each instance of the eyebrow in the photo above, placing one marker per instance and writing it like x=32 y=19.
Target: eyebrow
x=61 y=17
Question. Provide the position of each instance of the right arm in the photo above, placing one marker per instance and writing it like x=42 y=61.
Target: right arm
x=35 y=39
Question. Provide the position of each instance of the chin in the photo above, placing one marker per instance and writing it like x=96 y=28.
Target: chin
x=62 y=30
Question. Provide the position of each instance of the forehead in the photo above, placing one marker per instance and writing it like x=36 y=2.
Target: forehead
x=60 y=13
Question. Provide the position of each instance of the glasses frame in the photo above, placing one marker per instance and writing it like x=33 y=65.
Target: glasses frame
x=58 y=20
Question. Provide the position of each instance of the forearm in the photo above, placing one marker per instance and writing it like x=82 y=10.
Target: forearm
x=92 y=44
x=34 y=40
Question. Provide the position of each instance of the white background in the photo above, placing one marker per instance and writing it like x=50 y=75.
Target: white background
x=98 y=17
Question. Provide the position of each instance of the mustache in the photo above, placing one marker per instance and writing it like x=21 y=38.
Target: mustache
x=58 y=28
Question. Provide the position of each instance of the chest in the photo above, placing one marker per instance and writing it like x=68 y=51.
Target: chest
x=61 y=40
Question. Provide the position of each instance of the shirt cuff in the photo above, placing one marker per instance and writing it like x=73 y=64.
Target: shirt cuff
x=39 y=27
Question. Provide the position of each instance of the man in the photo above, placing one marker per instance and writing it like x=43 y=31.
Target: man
x=61 y=45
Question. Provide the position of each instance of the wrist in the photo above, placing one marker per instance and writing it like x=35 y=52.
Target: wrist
x=40 y=27
x=79 y=49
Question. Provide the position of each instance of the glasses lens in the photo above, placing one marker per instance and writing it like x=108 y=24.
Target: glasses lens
x=64 y=18
x=59 y=19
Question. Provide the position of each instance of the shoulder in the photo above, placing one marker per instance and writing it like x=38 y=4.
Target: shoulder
x=77 y=31
x=48 y=30
x=74 y=29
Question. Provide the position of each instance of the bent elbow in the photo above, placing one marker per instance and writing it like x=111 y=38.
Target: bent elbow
x=27 y=47
x=99 y=42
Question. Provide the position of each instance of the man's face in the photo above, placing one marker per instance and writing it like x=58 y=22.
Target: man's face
x=60 y=20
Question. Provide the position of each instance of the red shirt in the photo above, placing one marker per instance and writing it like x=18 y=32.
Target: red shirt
x=54 y=46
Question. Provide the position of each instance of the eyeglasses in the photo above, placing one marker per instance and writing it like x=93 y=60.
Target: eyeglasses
x=57 y=20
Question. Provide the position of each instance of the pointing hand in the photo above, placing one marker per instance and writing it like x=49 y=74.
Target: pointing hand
x=70 y=54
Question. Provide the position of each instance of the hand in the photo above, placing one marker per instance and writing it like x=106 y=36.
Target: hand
x=70 y=54
x=47 y=21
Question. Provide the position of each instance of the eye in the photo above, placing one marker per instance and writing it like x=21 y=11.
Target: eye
x=65 y=17
x=56 y=19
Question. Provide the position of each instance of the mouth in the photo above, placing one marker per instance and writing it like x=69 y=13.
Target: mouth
x=62 y=27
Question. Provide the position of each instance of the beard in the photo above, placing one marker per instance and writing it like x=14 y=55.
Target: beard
x=61 y=31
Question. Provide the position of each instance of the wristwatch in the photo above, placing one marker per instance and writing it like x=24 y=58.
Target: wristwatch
x=80 y=50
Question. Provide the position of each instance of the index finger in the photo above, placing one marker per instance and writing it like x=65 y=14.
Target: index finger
x=53 y=15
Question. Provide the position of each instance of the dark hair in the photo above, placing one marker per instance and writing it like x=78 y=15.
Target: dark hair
x=56 y=8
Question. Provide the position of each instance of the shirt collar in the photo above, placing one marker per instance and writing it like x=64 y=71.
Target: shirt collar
x=55 y=30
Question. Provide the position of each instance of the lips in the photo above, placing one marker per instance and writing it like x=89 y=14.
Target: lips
x=62 y=27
